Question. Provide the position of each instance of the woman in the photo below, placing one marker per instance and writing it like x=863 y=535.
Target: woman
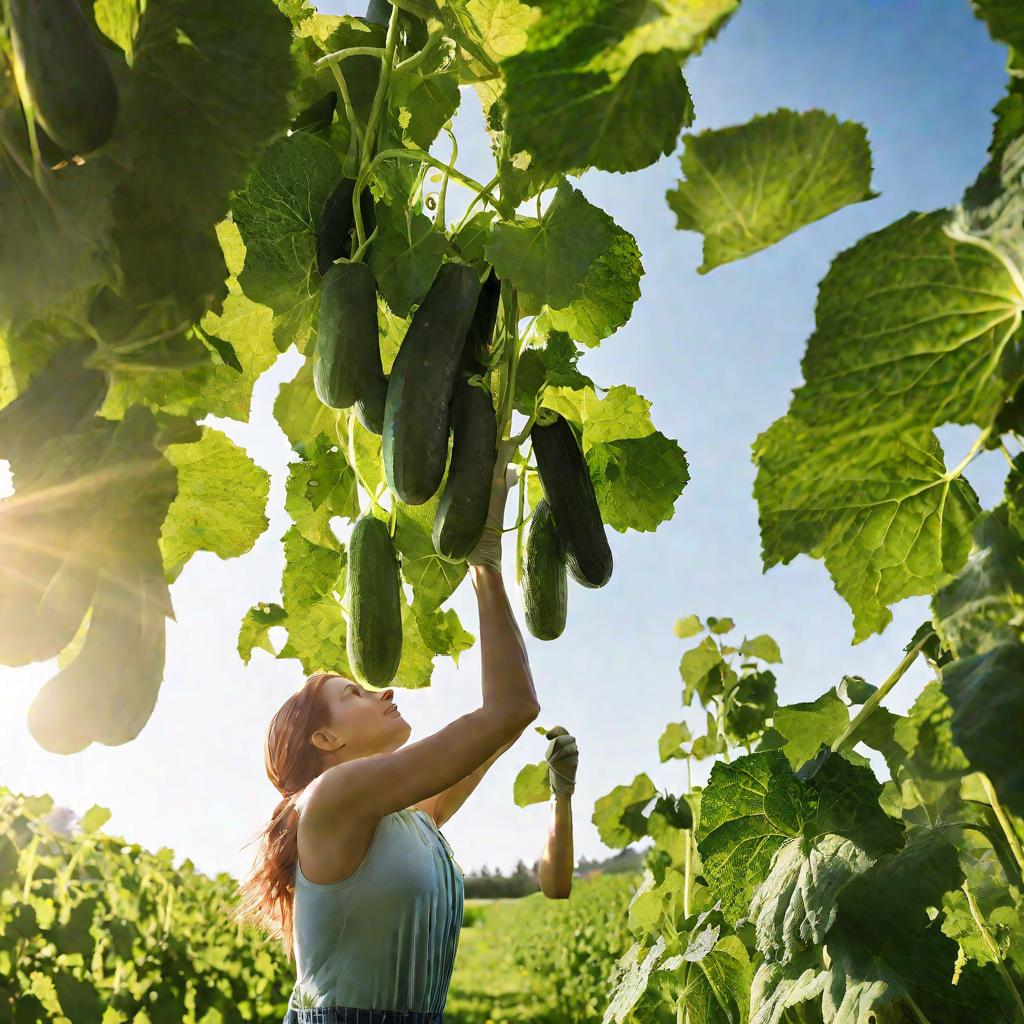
x=354 y=875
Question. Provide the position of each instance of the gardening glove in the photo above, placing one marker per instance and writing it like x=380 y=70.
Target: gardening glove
x=562 y=757
x=488 y=547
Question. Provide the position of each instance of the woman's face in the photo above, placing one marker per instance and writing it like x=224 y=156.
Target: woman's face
x=360 y=721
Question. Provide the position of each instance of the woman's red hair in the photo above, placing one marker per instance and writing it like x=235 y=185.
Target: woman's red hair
x=268 y=893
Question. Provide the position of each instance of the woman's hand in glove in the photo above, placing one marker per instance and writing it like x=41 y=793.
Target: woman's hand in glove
x=562 y=757
x=488 y=548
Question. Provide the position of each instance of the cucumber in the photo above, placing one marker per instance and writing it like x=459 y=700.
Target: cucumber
x=62 y=73
x=374 y=641
x=370 y=408
x=545 y=590
x=462 y=511
x=335 y=229
x=481 y=330
x=347 y=366
x=317 y=117
x=566 y=479
x=417 y=413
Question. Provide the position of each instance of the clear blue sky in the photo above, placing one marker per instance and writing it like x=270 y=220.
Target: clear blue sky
x=717 y=355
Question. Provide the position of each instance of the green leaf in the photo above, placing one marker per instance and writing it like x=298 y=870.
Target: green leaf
x=756 y=805
x=884 y=948
x=442 y=632
x=610 y=289
x=687 y=627
x=118 y=20
x=750 y=185
x=984 y=605
x=618 y=814
x=405 y=256
x=549 y=258
x=531 y=784
x=927 y=737
x=621 y=413
x=552 y=364
x=950 y=320
x=193 y=122
x=599 y=84
x=54 y=252
x=809 y=724
x=710 y=977
x=299 y=412
x=630 y=977
x=881 y=511
x=670 y=744
x=987 y=698
x=321 y=485
x=762 y=647
x=749 y=706
x=255 y=629
x=472 y=240
x=423 y=100
x=311 y=584
x=719 y=626
x=277 y=212
x=220 y=505
x=637 y=480
x=701 y=670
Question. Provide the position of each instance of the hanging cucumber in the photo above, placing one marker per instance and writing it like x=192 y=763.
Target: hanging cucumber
x=566 y=479
x=545 y=590
x=334 y=238
x=462 y=511
x=347 y=365
x=374 y=641
x=417 y=412
x=370 y=407
x=317 y=117
x=62 y=73
x=481 y=330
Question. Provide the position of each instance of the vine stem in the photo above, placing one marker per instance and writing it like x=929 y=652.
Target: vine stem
x=351 y=51
x=975 y=448
x=372 y=121
x=485 y=194
x=417 y=58
x=918 y=1012
x=880 y=694
x=350 y=114
x=414 y=153
x=444 y=183
x=990 y=943
x=519 y=531
x=1004 y=822
x=1006 y=454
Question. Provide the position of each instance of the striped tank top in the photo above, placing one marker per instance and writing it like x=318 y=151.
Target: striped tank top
x=384 y=938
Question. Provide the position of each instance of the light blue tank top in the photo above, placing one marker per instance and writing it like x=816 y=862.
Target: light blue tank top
x=384 y=938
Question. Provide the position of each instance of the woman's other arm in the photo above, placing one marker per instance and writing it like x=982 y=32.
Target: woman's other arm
x=556 y=862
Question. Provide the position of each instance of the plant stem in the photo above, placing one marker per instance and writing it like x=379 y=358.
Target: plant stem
x=372 y=121
x=351 y=51
x=975 y=448
x=350 y=114
x=420 y=55
x=519 y=531
x=990 y=943
x=688 y=872
x=1006 y=454
x=1004 y=821
x=880 y=694
x=413 y=153
x=439 y=219
x=484 y=193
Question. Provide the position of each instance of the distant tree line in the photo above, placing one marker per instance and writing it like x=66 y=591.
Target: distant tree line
x=487 y=884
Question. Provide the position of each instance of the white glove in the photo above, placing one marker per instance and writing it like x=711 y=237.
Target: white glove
x=562 y=757
x=488 y=547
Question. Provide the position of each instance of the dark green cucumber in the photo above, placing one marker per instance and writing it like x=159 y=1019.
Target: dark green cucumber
x=545 y=589
x=317 y=117
x=481 y=330
x=62 y=72
x=370 y=408
x=374 y=641
x=334 y=231
x=566 y=479
x=347 y=366
x=462 y=511
x=417 y=413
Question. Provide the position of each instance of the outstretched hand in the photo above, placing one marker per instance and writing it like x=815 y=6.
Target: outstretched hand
x=562 y=757
x=488 y=548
